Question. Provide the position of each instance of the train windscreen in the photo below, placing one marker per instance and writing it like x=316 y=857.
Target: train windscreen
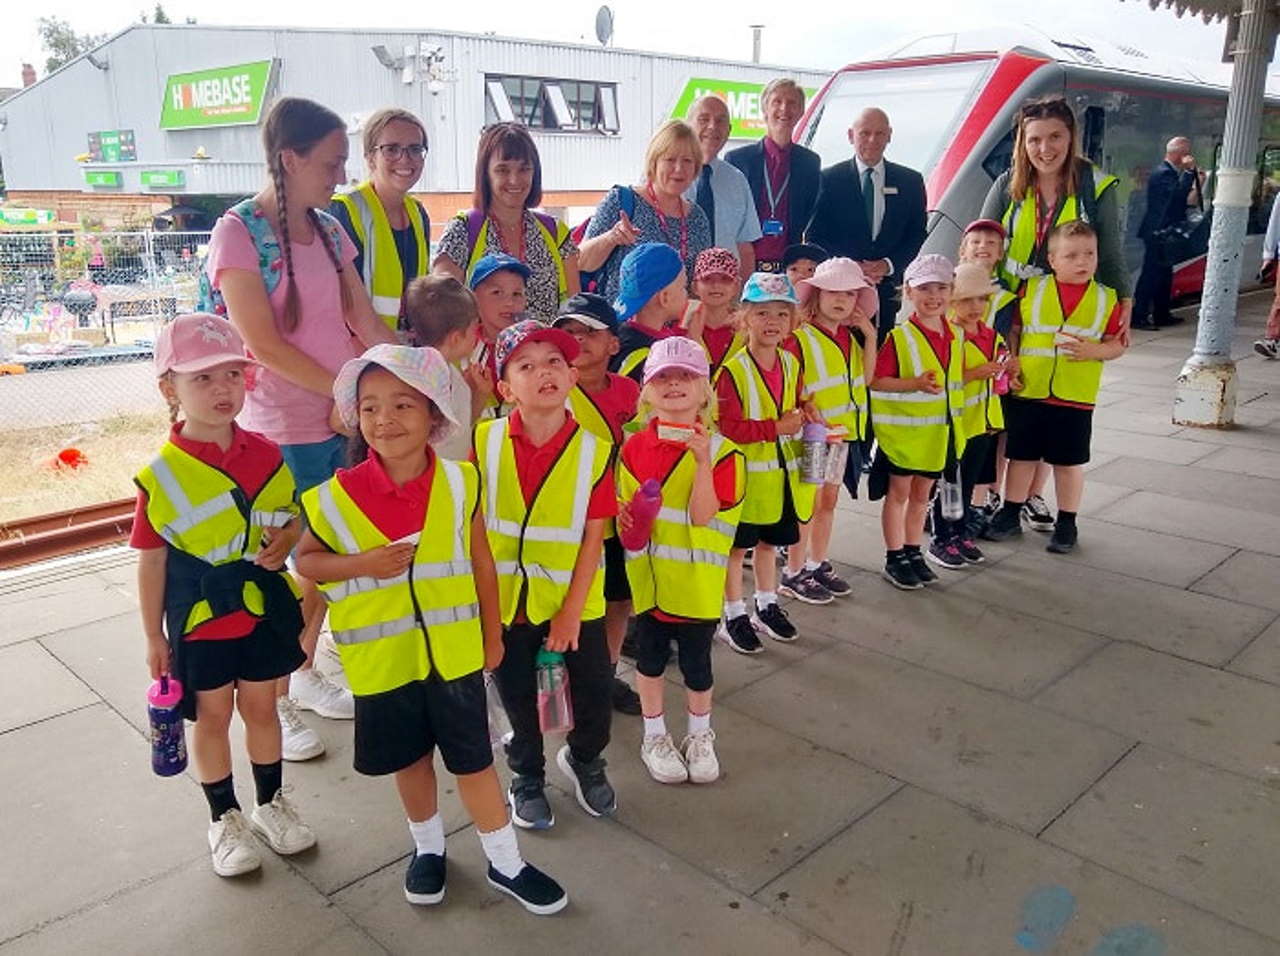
x=923 y=103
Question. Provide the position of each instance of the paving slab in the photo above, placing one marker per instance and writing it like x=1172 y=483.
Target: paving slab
x=1197 y=711
x=1226 y=524
x=42 y=609
x=1244 y=461
x=976 y=747
x=732 y=670
x=34 y=686
x=626 y=896
x=110 y=656
x=1261 y=659
x=1199 y=483
x=920 y=876
x=1245 y=576
x=1173 y=450
x=1201 y=835
x=1264 y=437
x=1195 y=626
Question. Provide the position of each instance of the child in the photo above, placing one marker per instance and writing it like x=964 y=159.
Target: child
x=1068 y=325
x=759 y=391
x=548 y=493
x=917 y=400
x=838 y=300
x=677 y=579
x=400 y=549
x=710 y=319
x=651 y=300
x=985 y=356
x=215 y=521
x=498 y=283
x=801 y=259
x=440 y=313
x=603 y=402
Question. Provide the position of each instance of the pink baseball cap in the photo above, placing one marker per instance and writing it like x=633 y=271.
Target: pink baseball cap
x=195 y=342
x=841 y=275
x=676 y=351
x=929 y=268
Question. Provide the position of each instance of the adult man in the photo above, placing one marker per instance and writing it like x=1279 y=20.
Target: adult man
x=721 y=189
x=1168 y=189
x=783 y=176
x=872 y=210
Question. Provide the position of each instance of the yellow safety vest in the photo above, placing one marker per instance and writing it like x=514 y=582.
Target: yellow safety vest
x=1020 y=222
x=682 y=569
x=983 y=411
x=1045 y=371
x=481 y=249
x=995 y=302
x=535 y=547
x=200 y=511
x=633 y=360
x=836 y=385
x=393 y=631
x=588 y=414
x=382 y=273
x=914 y=428
x=769 y=464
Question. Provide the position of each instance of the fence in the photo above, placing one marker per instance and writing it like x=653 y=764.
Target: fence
x=78 y=318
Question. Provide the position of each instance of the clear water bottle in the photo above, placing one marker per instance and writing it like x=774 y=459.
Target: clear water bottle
x=168 y=733
x=951 y=498
x=499 y=725
x=643 y=509
x=1000 y=385
x=555 y=706
x=813 y=453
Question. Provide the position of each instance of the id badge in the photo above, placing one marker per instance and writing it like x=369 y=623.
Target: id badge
x=771 y=227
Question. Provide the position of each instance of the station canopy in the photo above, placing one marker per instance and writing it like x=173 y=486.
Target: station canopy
x=1207 y=10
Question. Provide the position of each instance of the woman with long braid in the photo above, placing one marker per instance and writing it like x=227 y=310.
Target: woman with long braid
x=300 y=329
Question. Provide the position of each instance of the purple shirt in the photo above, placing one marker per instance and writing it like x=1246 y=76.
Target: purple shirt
x=777 y=167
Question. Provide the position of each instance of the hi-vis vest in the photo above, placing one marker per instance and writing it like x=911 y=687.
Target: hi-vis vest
x=983 y=411
x=1045 y=371
x=633 y=360
x=198 y=510
x=912 y=427
x=393 y=631
x=480 y=248
x=588 y=414
x=836 y=385
x=769 y=464
x=995 y=302
x=1020 y=222
x=535 y=548
x=682 y=569
x=383 y=275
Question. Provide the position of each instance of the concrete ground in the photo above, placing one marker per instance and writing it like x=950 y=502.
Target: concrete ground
x=1043 y=755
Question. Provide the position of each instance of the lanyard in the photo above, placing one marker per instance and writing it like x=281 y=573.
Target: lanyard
x=519 y=251
x=662 y=221
x=782 y=190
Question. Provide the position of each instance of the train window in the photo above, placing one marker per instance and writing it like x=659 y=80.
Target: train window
x=1095 y=122
x=1001 y=156
x=1267 y=187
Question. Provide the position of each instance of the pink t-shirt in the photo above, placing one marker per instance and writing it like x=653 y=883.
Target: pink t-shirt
x=286 y=413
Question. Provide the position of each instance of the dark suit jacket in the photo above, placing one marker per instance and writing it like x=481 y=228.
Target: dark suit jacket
x=1167 y=191
x=802 y=191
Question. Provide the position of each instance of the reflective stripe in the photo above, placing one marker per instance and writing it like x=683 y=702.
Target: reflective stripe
x=442 y=569
x=1038 y=353
x=673 y=515
x=271 y=519
x=972 y=400
x=534 y=570
x=202 y=512
x=366 y=234
x=763 y=466
x=908 y=396
x=457 y=489
x=376 y=632
x=669 y=552
x=232 y=549
x=912 y=419
x=755 y=406
x=332 y=514
x=581 y=494
x=493 y=455
x=169 y=482
x=339 y=590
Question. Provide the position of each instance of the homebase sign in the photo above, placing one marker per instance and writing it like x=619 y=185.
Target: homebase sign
x=225 y=96
x=746 y=113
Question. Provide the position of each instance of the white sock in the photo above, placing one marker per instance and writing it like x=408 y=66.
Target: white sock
x=765 y=598
x=428 y=836
x=699 y=723
x=655 y=726
x=812 y=565
x=502 y=850
x=734 y=609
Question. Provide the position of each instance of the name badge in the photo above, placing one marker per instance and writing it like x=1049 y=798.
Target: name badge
x=891 y=190
x=670 y=431
x=771 y=227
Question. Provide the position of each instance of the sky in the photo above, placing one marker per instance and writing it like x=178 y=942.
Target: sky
x=816 y=40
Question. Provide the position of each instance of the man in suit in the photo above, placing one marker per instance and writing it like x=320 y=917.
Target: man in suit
x=1168 y=189
x=721 y=189
x=873 y=211
x=783 y=176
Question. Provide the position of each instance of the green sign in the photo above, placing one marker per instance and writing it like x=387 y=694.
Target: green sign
x=164 y=178
x=12 y=216
x=102 y=177
x=746 y=117
x=112 y=146
x=225 y=96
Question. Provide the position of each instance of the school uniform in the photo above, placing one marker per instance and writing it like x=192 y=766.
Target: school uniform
x=832 y=366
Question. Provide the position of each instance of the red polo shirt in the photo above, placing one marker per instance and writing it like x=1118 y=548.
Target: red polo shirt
x=533 y=462
x=396 y=510
x=1069 y=296
x=617 y=401
x=718 y=342
x=940 y=342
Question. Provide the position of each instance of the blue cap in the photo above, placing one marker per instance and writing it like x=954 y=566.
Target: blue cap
x=647 y=269
x=496 y=262
x=769 y=287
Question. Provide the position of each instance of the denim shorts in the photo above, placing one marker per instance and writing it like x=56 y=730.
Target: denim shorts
x=315 y=462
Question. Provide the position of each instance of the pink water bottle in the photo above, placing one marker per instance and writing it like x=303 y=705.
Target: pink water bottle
x=168 y=734
x=643 y=510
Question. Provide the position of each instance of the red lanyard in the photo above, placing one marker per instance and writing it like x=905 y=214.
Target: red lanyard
x=662 y=221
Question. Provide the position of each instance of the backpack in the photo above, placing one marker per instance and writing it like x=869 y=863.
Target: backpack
x=593 y=281
x=270 y=258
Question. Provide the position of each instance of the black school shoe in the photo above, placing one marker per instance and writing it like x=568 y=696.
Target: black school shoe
x=535 y=891
x=1063 y=540
x=625 y=700
x=590 y=785
x=530 y=809
x=773 y=619
x=898 y=572
x=424 y=880
x=919 y=565
x=1006 y=523
x=740 y=635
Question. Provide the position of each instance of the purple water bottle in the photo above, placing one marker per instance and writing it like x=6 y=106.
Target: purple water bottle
x=168 y=734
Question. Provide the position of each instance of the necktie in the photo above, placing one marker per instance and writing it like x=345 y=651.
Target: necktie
x=869 y=200
x=707 y=199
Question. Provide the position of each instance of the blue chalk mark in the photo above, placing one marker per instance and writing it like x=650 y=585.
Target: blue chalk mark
x=1133 y=940
x=1045 y=914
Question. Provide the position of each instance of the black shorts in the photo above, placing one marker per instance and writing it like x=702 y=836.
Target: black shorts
x=693 y=648
x=978 y=464
x=1055 y=434
x=616 y=585
x=399 y=727
x=781 y=534
x=260 y=656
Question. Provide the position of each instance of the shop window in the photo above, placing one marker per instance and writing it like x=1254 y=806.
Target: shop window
x=550 y=104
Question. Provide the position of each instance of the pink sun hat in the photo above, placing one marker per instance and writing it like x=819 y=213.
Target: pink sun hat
x=422 y=369
x=841 y=275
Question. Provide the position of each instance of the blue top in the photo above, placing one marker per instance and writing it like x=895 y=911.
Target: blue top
x=651 y=229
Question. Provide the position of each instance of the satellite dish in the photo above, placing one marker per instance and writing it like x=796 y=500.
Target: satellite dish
x=604 y=25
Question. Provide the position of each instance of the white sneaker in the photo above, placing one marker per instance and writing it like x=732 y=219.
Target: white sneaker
x=313 y=691
x=662 y=760
x=234 y=851
x=700 y=756
x=278 y=823
x=297 y=740
x=1267 y=348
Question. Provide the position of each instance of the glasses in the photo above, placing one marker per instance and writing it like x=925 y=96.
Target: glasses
x=1048 y=109
x=394 y=151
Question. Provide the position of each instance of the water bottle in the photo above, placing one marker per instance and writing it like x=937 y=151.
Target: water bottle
x=499 y=725
x=813 y=453
x=555 y=706
x=1001 y=382
x=951 y=499
x=643 y=509
x=168 y=734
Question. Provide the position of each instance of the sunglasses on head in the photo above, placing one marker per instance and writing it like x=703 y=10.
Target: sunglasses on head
x=1050 y=109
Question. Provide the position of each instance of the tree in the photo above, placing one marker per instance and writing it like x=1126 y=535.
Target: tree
x=160 y=16
x=60 y=40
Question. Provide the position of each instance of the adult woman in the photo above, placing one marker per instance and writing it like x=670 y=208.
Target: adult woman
x=390 y=230
x=660 y=213
x=508 y=186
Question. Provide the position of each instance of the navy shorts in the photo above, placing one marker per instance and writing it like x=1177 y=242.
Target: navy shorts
x=262 y=655
x=397 y=728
